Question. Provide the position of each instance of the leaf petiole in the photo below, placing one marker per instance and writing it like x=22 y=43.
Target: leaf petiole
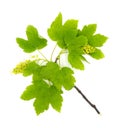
x=43 y=55
x=53 y=52
x=61 y=52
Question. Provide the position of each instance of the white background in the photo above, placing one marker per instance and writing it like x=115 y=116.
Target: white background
x=100 y=81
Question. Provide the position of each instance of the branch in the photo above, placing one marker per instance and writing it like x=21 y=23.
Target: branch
x=79 y=91
x=85 y=98
x=57 y=58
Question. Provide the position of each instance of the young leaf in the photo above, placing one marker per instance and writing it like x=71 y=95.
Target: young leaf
x=83 y=58
x=68 y=79
x=41 y=104
x=77 y=42
x=97 y=40
x=29 y=93
x=62 y=44
x=75 y=46
x=89 y=30
x=40 y=91
x=49 y=71
x=70 y=30
x=98 y=54
x=31 y=68
x=54 y=31
x=74 y=60
x=44 y=95
x=55 y=98
x=71 y=24
x=34 y=41
x=31 y=33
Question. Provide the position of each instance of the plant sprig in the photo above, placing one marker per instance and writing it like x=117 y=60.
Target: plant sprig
x=49 y=78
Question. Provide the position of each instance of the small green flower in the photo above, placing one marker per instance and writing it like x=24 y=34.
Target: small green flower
x=20 y=67
x=88 y=49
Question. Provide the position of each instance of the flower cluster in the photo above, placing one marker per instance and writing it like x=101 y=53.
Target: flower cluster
x=20 y=67
x=88 y=49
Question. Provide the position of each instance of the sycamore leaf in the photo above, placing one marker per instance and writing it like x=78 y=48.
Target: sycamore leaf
x=62 y=44
x=78 y=42
x=68 y=79
x=70 y=30
x=40 y=91
x=44 y=95
x=31 y=33
x=54 y=31
x=89 y=30
x=34 y=41
x=74 y=60
x=97 y=40
x=71 y=24
x=29 y=93
x=49 y=71
x=31 y=68
x=98 y=54
x=83 y=58
x=59 y=77
x=25 y=45
x=41 y=105
x=55 y=98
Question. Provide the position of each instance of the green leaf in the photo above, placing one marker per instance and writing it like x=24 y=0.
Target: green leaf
x=31 y=33
x=44 y=95
x=55 y=98
x=62 y=44
x=55 y=32
x=25 y=45
x=74 y=60
x=89 y=30
x=97 y=40
x=68 y=79
x=31 y=68
x=98 y=54
x=78 y=42
x=41 y=105
x=75 y=46
x=29 y=93
x=34 y=41
x=50 y=71
x=70 y=30
x=40 y=91
x=83 y=58
x=70 y=24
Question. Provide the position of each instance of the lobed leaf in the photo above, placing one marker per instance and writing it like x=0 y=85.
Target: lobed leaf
x=31 y=68
x=75 y=61
x=29 y=93
x=89 y=30
x=44 y=95
x=55 y=98
x=34 y=41
x=31 y=33
x=98 y=54
x=54 y=31
x=68 y=79
x=70 y=30
x=97 y=40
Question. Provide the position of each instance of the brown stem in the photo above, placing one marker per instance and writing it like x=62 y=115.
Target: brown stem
x=92 y=105
x=57 y=58
x=79 y=91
